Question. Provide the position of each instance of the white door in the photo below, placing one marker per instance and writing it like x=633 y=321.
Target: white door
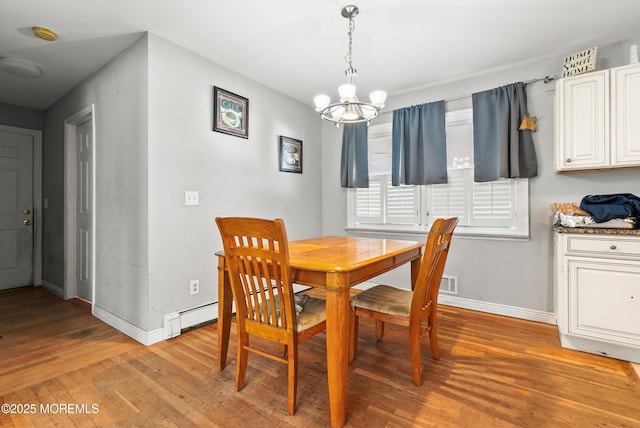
x=84 y=215
x=16 y=208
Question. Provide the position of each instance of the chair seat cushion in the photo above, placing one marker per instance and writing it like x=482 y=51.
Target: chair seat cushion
x=314 y=313
x=385 y=299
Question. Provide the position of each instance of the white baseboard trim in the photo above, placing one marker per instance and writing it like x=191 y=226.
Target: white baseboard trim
x=186 y=319
x=53 y=288
x=209 y=312
x=498 y=309
x=145 y=337
x=491 y=308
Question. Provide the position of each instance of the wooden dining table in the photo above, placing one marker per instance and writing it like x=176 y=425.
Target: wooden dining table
x=335 y=264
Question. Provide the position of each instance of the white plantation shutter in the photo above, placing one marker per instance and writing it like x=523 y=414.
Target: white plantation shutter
x=490 y=204
x=494 y=203
x=451 y=199
x=402 y=204
x=369 y=202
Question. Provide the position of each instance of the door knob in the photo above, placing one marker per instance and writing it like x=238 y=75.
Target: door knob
x=27 y=222
x=26 y=211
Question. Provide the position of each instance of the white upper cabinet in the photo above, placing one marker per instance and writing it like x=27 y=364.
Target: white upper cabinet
x=625 y=114
x=582 y=122
x=595 y=126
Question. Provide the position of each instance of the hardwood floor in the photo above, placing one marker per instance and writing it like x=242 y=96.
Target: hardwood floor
x=493 y=372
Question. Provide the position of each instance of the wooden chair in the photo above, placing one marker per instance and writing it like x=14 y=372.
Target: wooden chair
x=410 y=308
x=256 y=252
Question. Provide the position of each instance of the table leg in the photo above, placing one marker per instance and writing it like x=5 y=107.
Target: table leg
x=225 y=300
x=338 y=326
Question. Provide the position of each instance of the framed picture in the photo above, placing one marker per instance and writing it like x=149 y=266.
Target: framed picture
x=230 y=113
x=290 y=155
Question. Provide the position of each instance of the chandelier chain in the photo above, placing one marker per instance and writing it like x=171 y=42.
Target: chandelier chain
x=348 y=57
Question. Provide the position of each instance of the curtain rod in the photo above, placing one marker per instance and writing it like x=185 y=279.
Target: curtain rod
x=545 y=79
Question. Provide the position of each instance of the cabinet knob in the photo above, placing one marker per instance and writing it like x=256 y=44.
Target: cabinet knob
x=568 y=161
x=613 y=247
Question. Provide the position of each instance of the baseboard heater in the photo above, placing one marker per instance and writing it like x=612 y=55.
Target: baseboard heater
x=176 y=323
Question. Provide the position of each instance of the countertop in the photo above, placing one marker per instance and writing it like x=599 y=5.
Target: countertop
x=596 y=231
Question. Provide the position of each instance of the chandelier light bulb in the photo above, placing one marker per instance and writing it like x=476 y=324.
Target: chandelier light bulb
x=378 y=98
x=321 y=102
x=347 y=92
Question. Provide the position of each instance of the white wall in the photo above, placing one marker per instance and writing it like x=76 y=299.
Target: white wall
x=119 y=93
x=21 y=117
x=154 y=140
x=513 y=273
x=235 y=176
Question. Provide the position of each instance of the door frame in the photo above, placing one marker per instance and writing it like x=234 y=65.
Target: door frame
x=71 y=201
x=36 y=136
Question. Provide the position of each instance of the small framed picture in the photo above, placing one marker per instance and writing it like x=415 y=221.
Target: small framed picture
x=230 y=113
x=290 y=155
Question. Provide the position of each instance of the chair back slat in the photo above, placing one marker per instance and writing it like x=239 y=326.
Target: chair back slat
x=427 y=285
x=260 y=273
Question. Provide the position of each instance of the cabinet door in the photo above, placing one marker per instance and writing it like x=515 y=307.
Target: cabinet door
x=625 y=113
x=604 y=300
x=582 y=122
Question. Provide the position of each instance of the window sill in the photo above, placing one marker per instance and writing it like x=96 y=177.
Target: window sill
x=462 y=231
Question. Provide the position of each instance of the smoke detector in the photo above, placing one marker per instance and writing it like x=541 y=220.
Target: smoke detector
x=45 y=33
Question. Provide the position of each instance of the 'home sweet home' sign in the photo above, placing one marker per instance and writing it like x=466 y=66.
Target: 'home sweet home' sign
x=580 y=62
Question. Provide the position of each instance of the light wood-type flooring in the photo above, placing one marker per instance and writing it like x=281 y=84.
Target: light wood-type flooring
x=62 y=367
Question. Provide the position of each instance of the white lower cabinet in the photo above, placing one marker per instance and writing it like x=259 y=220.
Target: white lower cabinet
x=597 y=281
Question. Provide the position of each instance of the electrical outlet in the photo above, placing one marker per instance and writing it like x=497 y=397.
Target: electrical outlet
x=191 y=197
x=194 y=287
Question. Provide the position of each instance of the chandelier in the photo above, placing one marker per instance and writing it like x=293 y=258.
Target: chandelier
x=350 y=109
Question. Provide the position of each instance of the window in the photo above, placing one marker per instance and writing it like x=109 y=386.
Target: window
x=496 y=208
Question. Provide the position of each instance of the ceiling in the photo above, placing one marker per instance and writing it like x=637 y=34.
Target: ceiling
x=298 y=47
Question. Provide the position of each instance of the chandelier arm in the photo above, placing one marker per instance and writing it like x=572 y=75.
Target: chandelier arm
x=326 y=113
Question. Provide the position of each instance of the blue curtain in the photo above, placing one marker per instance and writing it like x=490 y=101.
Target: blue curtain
x=354 y=166
x=419 y=152
x=500 y=148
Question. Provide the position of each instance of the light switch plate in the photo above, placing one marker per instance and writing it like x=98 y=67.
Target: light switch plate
x=191 y=197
